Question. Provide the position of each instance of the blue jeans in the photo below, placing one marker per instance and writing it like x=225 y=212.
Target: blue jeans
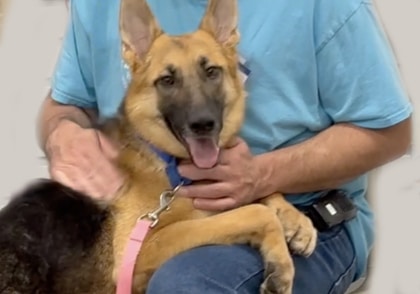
x=239 y=269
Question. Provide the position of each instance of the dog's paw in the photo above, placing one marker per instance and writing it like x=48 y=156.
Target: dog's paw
x=300 y=233
x=275 y=281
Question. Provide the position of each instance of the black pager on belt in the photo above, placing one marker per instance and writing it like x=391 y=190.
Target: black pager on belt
x=331 y=209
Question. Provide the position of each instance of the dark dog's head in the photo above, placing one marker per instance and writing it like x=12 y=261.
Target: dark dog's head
x=186 y=96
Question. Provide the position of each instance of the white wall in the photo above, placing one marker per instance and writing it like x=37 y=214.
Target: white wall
x=401 y=19
x=396 y=188
x=30 y=44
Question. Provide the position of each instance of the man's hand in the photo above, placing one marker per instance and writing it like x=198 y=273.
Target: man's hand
x=234 y=180
x=83 y=160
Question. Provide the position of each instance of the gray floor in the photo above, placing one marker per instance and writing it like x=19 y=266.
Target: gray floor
x=30 y=43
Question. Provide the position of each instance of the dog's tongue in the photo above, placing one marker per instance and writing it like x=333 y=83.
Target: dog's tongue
x=204 y=151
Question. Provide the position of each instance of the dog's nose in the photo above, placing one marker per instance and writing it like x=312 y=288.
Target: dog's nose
x=202 y=125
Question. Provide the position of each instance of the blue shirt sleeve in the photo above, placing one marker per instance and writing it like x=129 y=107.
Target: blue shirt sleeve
x=358 y=77
x=72 y=80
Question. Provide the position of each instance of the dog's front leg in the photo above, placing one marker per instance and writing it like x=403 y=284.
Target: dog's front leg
x=299 y=231
x=254 y=224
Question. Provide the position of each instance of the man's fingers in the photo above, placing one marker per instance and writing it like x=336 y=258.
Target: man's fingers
x=102 y=184
x=110 y=149
x=193 y=173
x=233 y=142
x=110 y=182
x=60 y=177
x=210 y=191
x=220 y=204
x=67 y=180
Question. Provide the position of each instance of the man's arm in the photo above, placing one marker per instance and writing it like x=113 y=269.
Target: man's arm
x=53 y=113
x=332 y=158
x=360 y=90
x=71 y=97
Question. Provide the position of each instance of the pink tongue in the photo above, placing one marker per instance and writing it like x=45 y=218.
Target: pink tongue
x=204 y=151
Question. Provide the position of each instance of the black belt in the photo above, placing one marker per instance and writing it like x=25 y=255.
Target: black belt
x=331 y=209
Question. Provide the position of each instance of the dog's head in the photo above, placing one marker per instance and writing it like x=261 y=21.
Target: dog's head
x=186 y=96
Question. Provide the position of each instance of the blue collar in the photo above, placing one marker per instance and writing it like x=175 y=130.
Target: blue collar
x=174 y=177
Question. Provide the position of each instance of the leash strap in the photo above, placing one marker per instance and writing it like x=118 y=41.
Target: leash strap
x=142 y=227
x=125 y=276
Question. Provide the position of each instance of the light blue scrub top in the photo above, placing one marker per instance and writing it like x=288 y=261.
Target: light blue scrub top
x=313 y=63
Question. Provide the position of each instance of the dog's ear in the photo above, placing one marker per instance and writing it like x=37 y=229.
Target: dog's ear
x=221 y=21
x=138 y=26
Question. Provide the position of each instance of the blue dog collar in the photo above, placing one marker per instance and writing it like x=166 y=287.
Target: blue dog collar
x=174 y=177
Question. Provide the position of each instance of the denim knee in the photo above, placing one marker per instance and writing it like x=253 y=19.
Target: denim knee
x=177 y=277
x=172 y=279
x=210 y=270
x=239 y=269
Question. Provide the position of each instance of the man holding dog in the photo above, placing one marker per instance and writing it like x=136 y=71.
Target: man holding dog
x=325 y=107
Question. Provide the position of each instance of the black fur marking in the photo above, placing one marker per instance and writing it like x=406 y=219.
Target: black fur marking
x=192 y=99
x=45 y=231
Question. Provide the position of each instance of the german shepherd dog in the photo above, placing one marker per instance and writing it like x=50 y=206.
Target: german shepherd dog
x=186 y=98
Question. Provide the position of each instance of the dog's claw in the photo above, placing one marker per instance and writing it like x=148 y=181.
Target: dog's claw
x=273 y=284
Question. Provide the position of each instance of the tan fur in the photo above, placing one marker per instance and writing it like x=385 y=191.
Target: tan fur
x=141 y=106
x=266 y=226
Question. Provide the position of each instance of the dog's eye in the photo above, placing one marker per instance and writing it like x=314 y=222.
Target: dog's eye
x=167 y=81
x=213 y=72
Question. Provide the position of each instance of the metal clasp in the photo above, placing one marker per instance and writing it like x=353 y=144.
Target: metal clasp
x=166 y=198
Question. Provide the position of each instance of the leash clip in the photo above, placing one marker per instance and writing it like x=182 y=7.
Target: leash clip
x=166 y=198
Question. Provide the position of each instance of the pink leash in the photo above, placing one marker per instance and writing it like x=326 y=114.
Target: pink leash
x=135 y=242
x=125 y=276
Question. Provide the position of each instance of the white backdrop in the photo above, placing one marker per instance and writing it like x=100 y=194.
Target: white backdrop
x=28 y=49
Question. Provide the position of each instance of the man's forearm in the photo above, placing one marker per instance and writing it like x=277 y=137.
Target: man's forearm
x=332 y=158
x=53 y=113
